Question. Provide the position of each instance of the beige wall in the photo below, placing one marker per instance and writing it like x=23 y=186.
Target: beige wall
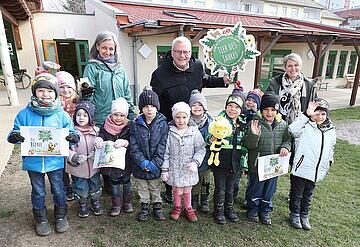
x=330 y=22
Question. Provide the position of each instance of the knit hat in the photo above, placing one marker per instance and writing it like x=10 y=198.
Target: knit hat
x=180 y=107
x=120 y=105
x=196 y=96
x=148 y=97
x=65 y=79
x=236 y=97
x=88 y=107
x=269 y=99
x=323 y=105
x=255 y=95
x=45 y=80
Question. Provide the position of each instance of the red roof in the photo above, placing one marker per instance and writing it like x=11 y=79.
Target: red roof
x=138 y=12
x=349 y=13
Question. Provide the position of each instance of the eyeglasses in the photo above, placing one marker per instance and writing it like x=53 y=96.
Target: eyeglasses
x=186 y=53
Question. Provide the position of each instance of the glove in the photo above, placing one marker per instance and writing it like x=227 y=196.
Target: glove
x=98 y=142
x=152 y=167
x=15 y=137
x=164 y=176
x=91 y=155
x=144 y=165
x=192 y=166
x=73 y=138
x=78 y=159
x=121 y=143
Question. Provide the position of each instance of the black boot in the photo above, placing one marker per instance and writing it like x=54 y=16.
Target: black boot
x=204 y=203
x=219 y=213
x=144 y=213
x=61 y=222
x=230 y=212
x=167 y=195
x=158 y=213
x=195 y=202
x=42 y=224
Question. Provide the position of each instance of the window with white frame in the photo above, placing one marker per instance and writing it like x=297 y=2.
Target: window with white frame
x=284 y=11
x=306 y=15
x=220 y=4
x=200 y=3
x=294 y=12
x=273 y=9
x=247 y=7
x=184 y=1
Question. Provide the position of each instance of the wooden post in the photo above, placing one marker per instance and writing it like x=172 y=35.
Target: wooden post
x=317 y=56
x=6 y=66
x=356 y=83
x=258 y=63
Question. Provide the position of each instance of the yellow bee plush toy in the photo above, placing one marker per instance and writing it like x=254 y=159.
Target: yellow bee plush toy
x=219 y=128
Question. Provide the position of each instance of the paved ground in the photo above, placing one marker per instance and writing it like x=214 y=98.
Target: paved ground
x=337 y=97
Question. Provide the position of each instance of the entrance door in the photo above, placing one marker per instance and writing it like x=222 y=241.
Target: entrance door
x=82 y=55
x=341 y=66
x=330 y=65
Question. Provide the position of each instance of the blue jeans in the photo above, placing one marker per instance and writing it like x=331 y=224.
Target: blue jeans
x=87 y=187
x=38 y=191
x=116 y=188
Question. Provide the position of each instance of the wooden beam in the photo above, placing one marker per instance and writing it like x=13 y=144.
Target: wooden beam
x=258 y=62
x=163 y=30
x=198 y=36
x=356 y=47
x=310 y=44
x=356 y=82
x=273 y=42
x=317 y=56
x=327 y=47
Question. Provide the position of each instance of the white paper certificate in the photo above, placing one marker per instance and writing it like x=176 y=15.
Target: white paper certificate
x=44 y=141
x=270 y=166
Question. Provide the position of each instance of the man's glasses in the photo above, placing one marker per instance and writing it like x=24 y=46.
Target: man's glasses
x=186 y=53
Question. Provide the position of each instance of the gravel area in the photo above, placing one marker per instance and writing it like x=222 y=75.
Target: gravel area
x=348 y=130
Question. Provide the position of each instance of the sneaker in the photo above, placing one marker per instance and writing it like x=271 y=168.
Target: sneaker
x=305 y=222
x=295 y=221
x=69 y=194
x=96 y=207
x=83 y=210
x=265 y=218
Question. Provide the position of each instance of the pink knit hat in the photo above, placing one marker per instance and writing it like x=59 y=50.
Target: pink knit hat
x=65 y=79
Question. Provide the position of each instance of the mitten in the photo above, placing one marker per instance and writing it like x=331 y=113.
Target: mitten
x=164 y=176
x=144 y=165
x=77 y=159
x=15 y=137
x=192 y=166
x=73 y=138
x=152 y=167
x=121 y=143
x=98 y=142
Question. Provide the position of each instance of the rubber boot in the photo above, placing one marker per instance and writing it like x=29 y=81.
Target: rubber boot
x=144 y=212
x=158 y=213
x=295 y=220
x=219 y=213
x=96 y=206
x=128 y=208
x=115 y=206
x=41 y=221
x=305 y=222
x=61 y=222
x=195 y=202
x=190 y=215
x=230 y=212
x=204 y=203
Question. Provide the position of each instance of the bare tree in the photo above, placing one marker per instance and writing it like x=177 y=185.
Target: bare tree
x=75 y=6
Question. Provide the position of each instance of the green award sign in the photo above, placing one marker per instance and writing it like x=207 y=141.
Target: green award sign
x=228 y=49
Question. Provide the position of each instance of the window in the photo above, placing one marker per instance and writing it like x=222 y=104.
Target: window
x=284 y=11
x=167 y=1
x=306 y=15
x=352 y=63
x=184 y=1
x=294 y=13
x=273 y=9
x=247 y=7
x=179 y=14
x=200 y=3
x=220 y=4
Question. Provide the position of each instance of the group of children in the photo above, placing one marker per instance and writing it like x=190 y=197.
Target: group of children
x=176 y=153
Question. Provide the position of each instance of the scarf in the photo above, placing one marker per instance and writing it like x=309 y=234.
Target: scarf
x=69 y=104
x=85 y=129
x=290 y=94
x=44 y=108
x=111 y=127
x=200 y=122
x=111 y=63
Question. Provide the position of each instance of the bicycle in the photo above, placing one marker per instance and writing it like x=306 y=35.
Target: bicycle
x=22 y=80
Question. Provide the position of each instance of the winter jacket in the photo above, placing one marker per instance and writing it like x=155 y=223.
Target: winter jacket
x=180 y=151
x=112 y=172
x=311 y=94
x=270 y=141
x=314 y=148
x=204 y=130
x=173 y=85
x=109 y=85
x=148 y=143
x=84 y=147
x=233 y=156
x=27 y=117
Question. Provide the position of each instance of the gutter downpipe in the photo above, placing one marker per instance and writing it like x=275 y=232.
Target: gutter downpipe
x=136 y=83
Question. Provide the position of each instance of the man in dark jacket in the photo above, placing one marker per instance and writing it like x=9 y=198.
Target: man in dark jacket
x=179 y=74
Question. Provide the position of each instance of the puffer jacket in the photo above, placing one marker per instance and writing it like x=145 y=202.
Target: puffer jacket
x=180 y=151
x=27 y=117
x=270 y=141
x=314 y=148
x=148 y=143
x=173 y=85
x=233 y=156
x=84 y=147
x=109 y=85
x=112 y=172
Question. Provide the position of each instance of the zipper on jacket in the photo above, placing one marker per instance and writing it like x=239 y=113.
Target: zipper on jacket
x=87 y=153
x=299 y=162
x=42 y=157
x=321 y=151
